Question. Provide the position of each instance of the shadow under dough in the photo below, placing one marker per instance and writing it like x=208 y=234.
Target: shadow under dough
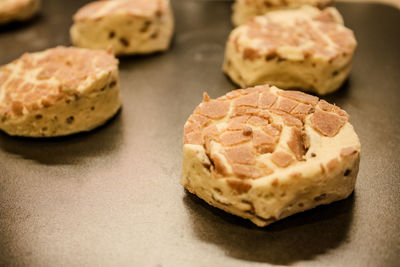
x=14 y=26
x=340 y=95
x=70 y=149
x=299 y=237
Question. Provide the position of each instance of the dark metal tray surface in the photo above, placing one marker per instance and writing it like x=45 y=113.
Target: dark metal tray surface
x=112 y=197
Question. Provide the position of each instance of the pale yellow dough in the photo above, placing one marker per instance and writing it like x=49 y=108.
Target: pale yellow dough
x=126 y=30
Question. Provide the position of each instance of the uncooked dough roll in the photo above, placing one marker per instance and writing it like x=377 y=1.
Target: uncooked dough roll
x=57 y=92
x=307 y=49
x=126 y=26
x=265 y=153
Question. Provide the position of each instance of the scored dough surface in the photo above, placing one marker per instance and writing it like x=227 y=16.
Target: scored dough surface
x=304 y=48
x=58 y=91
x=264 y=153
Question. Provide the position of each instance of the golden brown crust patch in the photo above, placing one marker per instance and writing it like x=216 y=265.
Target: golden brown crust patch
x=296 y=144
x=260 y=139
x=241 y=155
x=239 y=187
x=300 y=97
x=230 y=138
x=327 y=123
x=267 y=99
x=201 y=120
x=325 y=106
x=192 y=133
x=302 y=110
x=219 y=165
x=246 y=171
x=214 y=109
x=285 y=104
x=273 y=130
x=282 y=159
x=290 y=120
x=250 y=100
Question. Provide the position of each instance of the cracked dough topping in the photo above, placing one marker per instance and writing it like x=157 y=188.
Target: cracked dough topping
x=37 y=80
x=250 y=132
x=295 y=34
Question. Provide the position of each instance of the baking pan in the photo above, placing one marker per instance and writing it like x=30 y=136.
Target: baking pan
x=111 y=197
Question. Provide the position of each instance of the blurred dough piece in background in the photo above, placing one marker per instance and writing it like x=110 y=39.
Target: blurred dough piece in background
x=126 y=26
x=243 y=10
x=305 y=48
x=17 y=10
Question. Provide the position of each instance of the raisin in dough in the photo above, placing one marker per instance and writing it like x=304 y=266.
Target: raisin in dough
x=126 y=26
x=17 y=10
x=307 y=49
x=57 y=92
x=263 y=153
x=243 y=10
